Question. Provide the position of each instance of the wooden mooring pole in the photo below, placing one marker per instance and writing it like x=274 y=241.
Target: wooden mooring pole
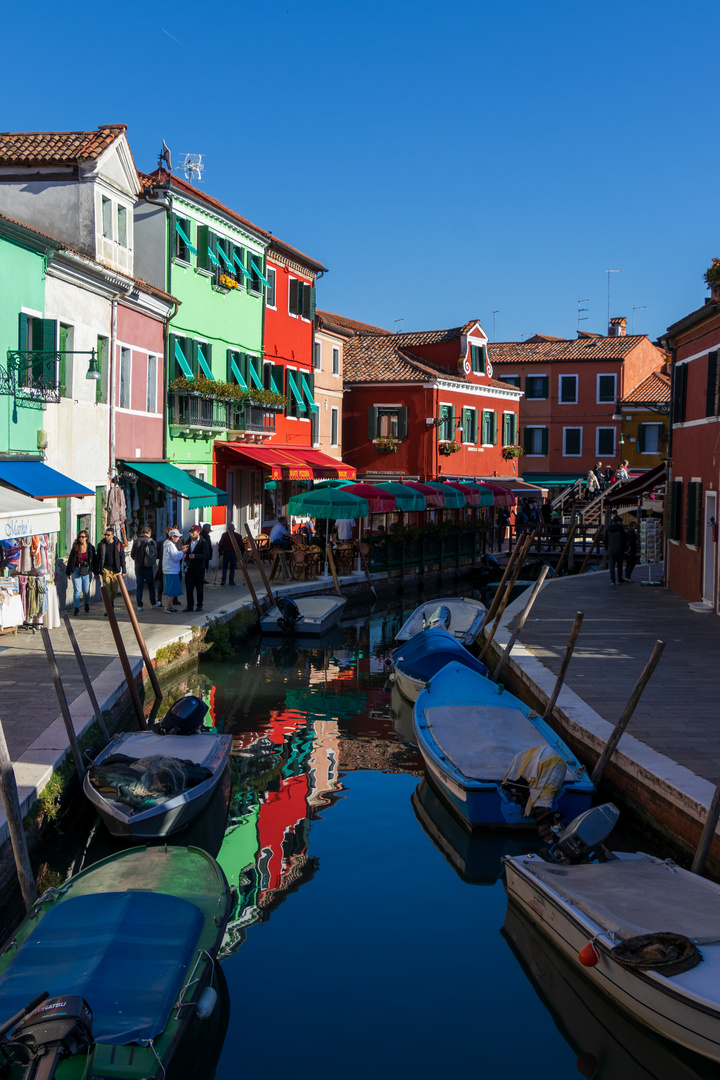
x=64 y=707
x=11 y=805
x=508 y=591
x=122 y=653
x=245 y=571
x=708 y=833
x=490 y=613
x=521 y=622
x=629 y=709
x=331 y=564
x=564 y=666
x=258 y=563
x=149 y=666
x=86 y=678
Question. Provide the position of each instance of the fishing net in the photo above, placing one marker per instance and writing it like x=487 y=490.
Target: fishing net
x=144 y=782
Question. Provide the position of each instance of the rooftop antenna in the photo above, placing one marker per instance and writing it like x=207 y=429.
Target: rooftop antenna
x=638 y=307
x=192 y=166
x=395 y=322
x=607 y=329
x=495 y=312
x=583 y=318
x=164 y=158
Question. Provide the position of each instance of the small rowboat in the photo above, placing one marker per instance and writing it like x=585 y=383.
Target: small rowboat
x=492 y=758
x=458 y=614
x=123 y=958
x=303 y=615
x=420 y=658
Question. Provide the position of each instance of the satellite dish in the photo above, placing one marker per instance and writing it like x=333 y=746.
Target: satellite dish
x=165 y=156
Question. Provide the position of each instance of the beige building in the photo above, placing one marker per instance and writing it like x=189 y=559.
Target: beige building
x=330 y=339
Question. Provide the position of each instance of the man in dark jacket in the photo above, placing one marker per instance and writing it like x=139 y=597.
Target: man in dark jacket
x=196 y=559
x=615 y=543
x=144 y=555
x=630 y=551
x=226 y=549
x=110 y=563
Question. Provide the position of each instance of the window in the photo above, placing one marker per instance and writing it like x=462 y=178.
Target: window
x=536 y=441
x=181 y=242
x=478 y=359
x=315 y=429
x=317 y=356
x=336 y=360
x=65 y=346
x=489 y=427
x=273 y=377
x=447 y=426
x=511 y=380
x=606 y=391
x=679 y=392
x=101 y=350
x=295 y=403
x=256 y=271
x=152 y=384
x=572 y=441
x=509 y=429
x=125 y=361
x=387 y=420
x=207 y=258
x=122 y=226
x=107 y=218
x=470 y=425
x=567 y=394
x=180 y=359
x=536 y=387
x=271 y=276
x=334 y=421
x=693 y=515
x=301 y=299
x=605 y=442
x=649 y=436
x=674 y=510
x=36 y=336
x=711 y=401
x=202 y=359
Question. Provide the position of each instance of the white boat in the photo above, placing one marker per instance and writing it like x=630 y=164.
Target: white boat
x=303 y=615
x=166 y=814
x=462 y=617
x=591 y=907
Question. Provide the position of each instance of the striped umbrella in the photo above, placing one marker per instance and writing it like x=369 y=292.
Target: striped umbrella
x=433 y=496
x=454 y=500
x=405 y=499
x=380 y=502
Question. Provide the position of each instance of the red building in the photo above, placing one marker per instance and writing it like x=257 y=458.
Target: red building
x=571 y=392
x=691 y=506
x=425 y=404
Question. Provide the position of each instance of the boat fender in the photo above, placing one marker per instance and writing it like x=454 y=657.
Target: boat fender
x=206 y=1003
x=588 y=956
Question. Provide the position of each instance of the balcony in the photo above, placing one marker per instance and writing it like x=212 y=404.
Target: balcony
x=204 y=414
x=253 y=418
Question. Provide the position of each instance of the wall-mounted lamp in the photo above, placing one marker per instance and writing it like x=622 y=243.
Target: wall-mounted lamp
x=617 y=415
x=93 y=371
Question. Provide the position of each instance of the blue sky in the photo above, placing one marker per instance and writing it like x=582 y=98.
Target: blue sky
x=443 y=162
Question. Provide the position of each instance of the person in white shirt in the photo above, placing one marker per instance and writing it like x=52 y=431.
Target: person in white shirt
x=279 y=536
x=344 y=528
x=172 y=558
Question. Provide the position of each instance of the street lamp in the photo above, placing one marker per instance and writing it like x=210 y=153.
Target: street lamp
x=93 y=371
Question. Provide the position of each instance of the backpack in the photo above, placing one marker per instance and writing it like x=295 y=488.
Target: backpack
x=149 y=555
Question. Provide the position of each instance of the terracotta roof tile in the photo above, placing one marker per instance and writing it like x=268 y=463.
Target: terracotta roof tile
x=352 y=324
x=584 y=348
x=380 y=358
x=56 y=147
x=655 y=388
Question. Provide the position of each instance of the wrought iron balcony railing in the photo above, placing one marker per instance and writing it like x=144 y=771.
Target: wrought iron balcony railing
x=32 y=374
x=209 y=414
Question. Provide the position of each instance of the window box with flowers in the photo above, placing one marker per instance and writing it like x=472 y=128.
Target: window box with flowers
x=386 y=444
x=225 y=391
x=448 y=448
x=510 y=452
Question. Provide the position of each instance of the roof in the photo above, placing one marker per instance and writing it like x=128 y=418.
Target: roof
x=369 y=358
x=344 y=323
x=163 y=178
x=542 y=350
x=56 y=147
x=655 y=388
x=29 y=229
x=710 y=309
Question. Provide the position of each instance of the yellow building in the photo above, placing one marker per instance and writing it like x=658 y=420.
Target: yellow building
x=645 y=416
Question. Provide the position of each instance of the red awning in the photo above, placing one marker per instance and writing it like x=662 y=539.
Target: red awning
x=503 y=497
x=283 y=465
x=323 y=466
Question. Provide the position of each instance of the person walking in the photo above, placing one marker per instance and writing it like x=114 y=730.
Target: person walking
x=197 y=556
x=144 y=554
x=622 y=474
x=615 y=542
x=80 y=564
x=592 y=486
x=599 y=475
x=609 y=475
x=172 y=558
x=630 y=551
x=226 y=549
x=110 y=563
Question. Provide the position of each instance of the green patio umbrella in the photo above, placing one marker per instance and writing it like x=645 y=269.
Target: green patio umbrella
x=486 y=496
x=331 y=484
x=454 y=499
x=328 y=503
x=405 y=498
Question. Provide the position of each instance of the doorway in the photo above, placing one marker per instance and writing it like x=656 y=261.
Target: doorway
x=710 y=548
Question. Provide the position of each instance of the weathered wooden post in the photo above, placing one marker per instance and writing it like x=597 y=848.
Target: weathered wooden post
x=85 y=676
x=508 y=591
x=149 y=666
x=122 y=653
x=331 y=564
x=521 y=622
x=11 y=805
x=564 y=665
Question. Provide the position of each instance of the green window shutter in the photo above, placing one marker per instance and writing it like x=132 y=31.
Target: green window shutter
x=62 y=365
x=100 y=353
x=641 y=438
x=527 y=435
x=483 y=359
x=62 y=544
x=475 y=426
x=203 y=259
x=179 y=355
x=49 y=335
x=466 y=425
x=22 y=332
x=473 y=357
x=484 y=426
x=373 y=417
x=310 y=295
x=544 y=441
x=711 y=393
x=402 y=423
x=692 y=514
x=203 y=358
x=453 y=423
x=505 y=430
x=308 y=391
x=293 y=293
x=493 y=421
x=255 y=372
x=513 y=429
x=279 y=377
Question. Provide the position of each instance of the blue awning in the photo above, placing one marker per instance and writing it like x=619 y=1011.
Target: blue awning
x=40 y=481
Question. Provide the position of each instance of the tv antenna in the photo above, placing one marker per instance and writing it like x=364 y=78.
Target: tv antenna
x=192 y=166
x=495 y=312
x=582 y=318
x=638 y=307
x=609 y=272
x=395 y=322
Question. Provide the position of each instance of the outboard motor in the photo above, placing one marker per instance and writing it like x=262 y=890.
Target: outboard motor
x=58 y=1028
x=441 y=617
x=186 y=717
x=583 y=839
x=290 y=615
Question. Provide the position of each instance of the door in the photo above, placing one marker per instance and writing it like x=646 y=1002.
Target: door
x=710 y=548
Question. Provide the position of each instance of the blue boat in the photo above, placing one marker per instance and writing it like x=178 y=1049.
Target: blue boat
x=494 y=761
x=426 y=653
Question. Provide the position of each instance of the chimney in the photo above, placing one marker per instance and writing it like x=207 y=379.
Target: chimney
x=617 y=328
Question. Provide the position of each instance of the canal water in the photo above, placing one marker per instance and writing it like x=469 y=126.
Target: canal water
x=371 y=935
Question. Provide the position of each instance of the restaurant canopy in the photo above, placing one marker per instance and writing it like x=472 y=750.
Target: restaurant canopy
x=198 y=492
x=454 y=499
x=40 y=481
x=405 y=499
x=503 y=497
x=485 y=494
x=473 y=496
x=286 y=463
x=380 y=502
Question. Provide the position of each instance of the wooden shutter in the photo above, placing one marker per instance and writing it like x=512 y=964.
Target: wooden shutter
x=483 y=359
x=453 y=423
x=373 y=413
x=278 y=371
x=693 y=514
x=494 y=423
x=679 y=390
x=48 y=330
x=641 y=438
x=712 y=383
x=293 y=304
x=402 y=423
x=309 y=302
x=544 y=441
x=203 y=260
x=22 y=332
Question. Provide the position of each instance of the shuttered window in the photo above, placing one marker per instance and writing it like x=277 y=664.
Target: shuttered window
x=674 y=510
x=470 y=425
x=478 y=359
x=509 y=429
x=384 y=422
x=693 y=514
x=489 y=427
x=572 y=442
x=536 y=387
x=536 y=441
x=711 y=400
x=301 y=299
x=679 y=392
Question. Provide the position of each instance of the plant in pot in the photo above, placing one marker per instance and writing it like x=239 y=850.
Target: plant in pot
x=386 y=444
x=510 y=452
x=448 y=448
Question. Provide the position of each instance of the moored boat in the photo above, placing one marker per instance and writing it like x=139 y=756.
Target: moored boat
x=303 y=615
x=493 y=759
x=124 y=955
x=461 y=616
x=420 y=658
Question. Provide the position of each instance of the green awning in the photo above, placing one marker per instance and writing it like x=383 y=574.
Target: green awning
x=181 y=232
x=198 y=492
x=254 y=377
x=295 y=391
x=225 y=259
x=237 y=373
x=180 y=357
x=273 y=384
x=207 y=372
x=213 y=257
x=309 y=394
x=259 y=272
x=240 y=265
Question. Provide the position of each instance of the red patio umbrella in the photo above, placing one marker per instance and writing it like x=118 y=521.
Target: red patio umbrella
x=433 y=496
x=472 y=498
x=380 y=502
x=503 y=497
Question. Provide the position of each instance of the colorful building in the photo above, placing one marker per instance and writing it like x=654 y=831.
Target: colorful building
x=645 y=424
x=329 y=368
x=571 y=390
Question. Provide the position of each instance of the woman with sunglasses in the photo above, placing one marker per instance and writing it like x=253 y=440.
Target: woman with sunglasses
x=80 y=567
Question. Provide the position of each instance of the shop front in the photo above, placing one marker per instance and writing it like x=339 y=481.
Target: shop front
x=28 y=540
x=160 y=495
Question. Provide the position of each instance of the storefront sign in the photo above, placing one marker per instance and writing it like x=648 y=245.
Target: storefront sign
x=12 y=527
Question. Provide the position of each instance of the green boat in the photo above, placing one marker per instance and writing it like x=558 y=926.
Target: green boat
x=108 y=974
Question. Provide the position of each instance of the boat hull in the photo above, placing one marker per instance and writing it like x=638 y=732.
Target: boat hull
x=318 y=615
x=466 y=618
x=651 y=999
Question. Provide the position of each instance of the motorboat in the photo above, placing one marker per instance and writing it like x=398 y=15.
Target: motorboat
x=149 y=784
x=420 y=658
x=642 y=930
x=113 y=974
x=303 y=615
x=492 y=758
x=459 y=615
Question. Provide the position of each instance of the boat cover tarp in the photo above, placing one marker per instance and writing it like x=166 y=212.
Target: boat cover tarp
x=143 y=782
x=543 y=769
x=638 y=896
x=126 y=953
x=431 y=650
x=482 y=741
